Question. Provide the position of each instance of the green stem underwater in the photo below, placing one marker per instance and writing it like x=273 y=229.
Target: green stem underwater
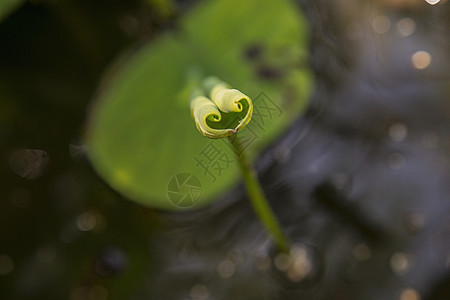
x=257 y=198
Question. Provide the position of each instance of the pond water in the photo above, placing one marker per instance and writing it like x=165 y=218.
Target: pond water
x=360 y=183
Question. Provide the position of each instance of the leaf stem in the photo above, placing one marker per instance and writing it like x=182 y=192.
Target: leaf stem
x=257 y=198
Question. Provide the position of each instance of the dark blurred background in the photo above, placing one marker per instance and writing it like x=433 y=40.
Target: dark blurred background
x=360 y=182
x=65 y=234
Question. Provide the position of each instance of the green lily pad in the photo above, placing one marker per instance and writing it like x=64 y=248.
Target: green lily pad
x=141 y=137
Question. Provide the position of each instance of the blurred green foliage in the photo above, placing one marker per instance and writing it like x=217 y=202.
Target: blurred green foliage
x=7 y=7
x=141 y=133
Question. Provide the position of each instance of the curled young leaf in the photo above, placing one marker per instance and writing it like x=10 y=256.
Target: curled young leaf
x=204 y=110
x=224 y=113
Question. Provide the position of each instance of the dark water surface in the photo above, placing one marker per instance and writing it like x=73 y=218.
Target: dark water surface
x=361 y=183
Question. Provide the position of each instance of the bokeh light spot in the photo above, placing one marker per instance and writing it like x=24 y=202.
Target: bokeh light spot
x=86 y=221
x=297 y=264
x=226 y=268
x=409 y=294
x=421 y=60
x=414 y=222
x=398 y=132
x=406 y=26
x=400 y=263
x=199 y=292
x=381 y=24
